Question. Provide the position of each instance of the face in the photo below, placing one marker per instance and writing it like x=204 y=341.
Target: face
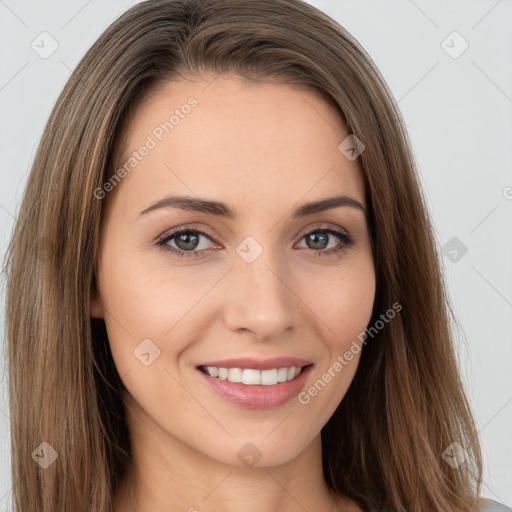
x=183 y=285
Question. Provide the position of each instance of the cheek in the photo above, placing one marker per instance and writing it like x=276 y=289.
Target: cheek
x=147 y=298
x=346 y=302
x=346 y=308
x=141 y=302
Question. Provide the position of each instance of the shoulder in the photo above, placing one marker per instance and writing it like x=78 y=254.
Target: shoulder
x=488 y=505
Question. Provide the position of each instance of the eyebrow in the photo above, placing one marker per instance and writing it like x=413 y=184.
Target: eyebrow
x=222 y=210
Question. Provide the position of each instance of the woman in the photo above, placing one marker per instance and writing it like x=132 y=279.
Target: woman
x=207 y=164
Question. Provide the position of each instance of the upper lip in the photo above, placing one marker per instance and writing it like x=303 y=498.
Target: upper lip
x=259 y=364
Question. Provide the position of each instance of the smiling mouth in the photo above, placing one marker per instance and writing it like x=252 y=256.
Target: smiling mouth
x=253 y=377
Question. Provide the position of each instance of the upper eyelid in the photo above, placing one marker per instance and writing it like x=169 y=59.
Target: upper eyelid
x=173 y=232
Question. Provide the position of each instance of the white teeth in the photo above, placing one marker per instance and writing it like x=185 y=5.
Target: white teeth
x=269 y=377
x=282 y=375
x=252 y=377
x=235 y=375
x=213 y=371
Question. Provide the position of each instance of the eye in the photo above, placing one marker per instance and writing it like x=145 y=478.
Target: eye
x=188 y=241
x=318 y=237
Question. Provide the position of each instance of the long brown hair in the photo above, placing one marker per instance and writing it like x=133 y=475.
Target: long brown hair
x=383 y=446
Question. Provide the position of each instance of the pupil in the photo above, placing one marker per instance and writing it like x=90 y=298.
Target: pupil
x=184 y=237
x=314 y=238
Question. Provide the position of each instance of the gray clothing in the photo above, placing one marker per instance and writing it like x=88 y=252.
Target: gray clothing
x=489 y=505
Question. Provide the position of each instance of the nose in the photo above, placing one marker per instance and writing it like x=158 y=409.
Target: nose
x=261 y=299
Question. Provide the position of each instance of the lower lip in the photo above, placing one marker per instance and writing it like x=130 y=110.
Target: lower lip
x=258 y=397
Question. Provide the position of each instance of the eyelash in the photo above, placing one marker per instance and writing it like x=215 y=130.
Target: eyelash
x=346 y=241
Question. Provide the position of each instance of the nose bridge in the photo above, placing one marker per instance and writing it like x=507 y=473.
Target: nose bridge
x=262 y=300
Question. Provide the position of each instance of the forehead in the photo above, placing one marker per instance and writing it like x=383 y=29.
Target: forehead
x=242 y=140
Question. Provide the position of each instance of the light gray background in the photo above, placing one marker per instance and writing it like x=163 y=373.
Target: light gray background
x=458 y=111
